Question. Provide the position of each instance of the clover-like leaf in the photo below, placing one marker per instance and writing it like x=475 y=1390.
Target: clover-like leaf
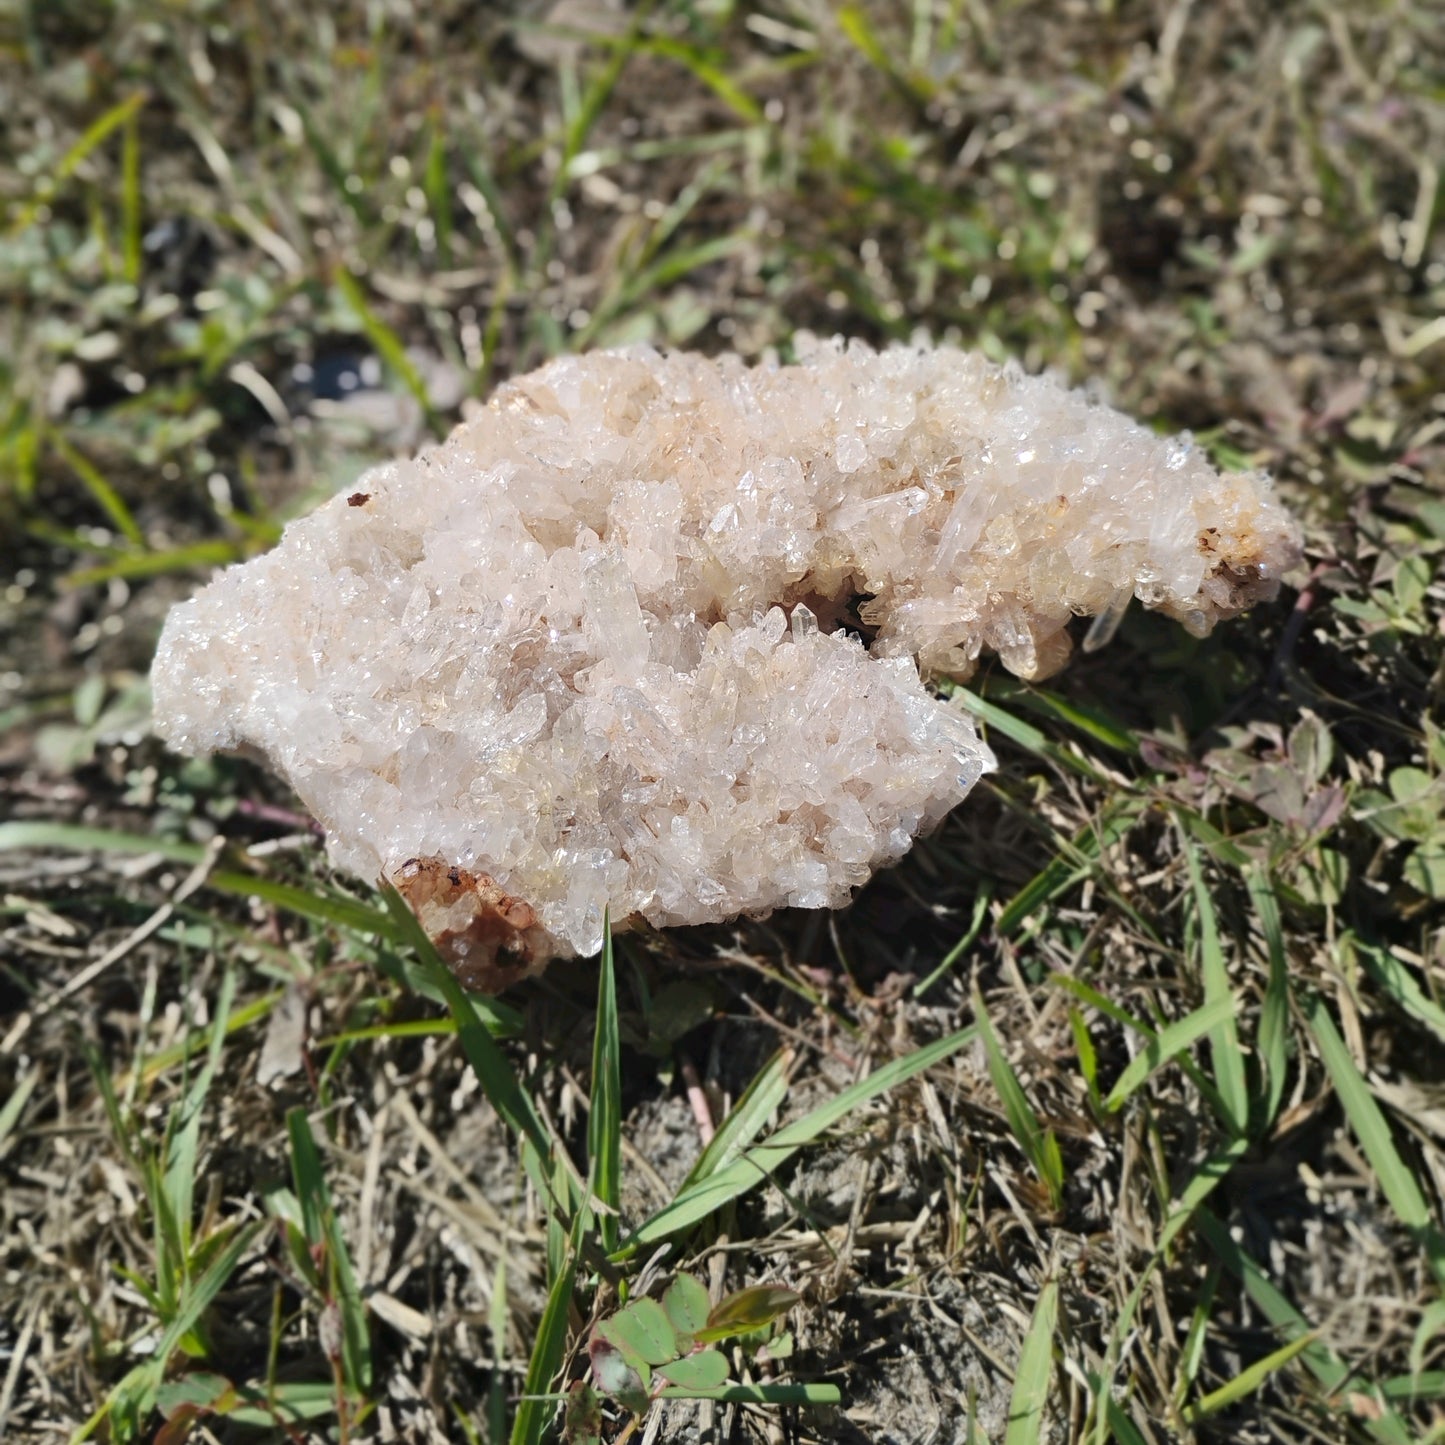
x=748 y=1309
x=643 y=1330
x=705 y=1370
x=686 y=1303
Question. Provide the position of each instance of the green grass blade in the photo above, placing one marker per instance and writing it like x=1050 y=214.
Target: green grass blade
x=718 y=81
x=102 y=493
x=493 y=1070
x=497 y=1329
x=388 y=346
x=1167 y=1044
x=133 y=1399
x=321 y=907
x=759 y=1163
x=14 y=1106
x=96 y=132
x=1213 y=1172
x=535 y=1409
x=1248 y=1380
x=1191 y=1352
x=1321 y=1361
x=130 y=200
x=1034 y=1378
x=1095 y=724
x=760 y=1394
x=1088 y=1057
x=437 y=185
x=604 y=1123
x=1076 y=861
x=1272 y=1038
x=1024 y=734
x=746 y=1120
x=182 y=1158
x=324 y=1229
x=196 y=557
x=1371 y=1128
x=1395 y=978
x=1040 y=1147
x=1223 y=1037
x=970 y=937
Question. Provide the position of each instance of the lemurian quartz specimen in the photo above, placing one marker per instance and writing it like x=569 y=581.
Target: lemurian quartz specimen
x=647 y=631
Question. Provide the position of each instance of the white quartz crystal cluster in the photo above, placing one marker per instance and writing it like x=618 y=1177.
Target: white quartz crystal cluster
x=646 y=632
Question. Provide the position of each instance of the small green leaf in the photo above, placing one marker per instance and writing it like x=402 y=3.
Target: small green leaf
x=748 y=1309
x=705 y=1370
x=687 y=1306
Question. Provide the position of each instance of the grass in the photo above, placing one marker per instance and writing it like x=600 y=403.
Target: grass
x=1111 y=1114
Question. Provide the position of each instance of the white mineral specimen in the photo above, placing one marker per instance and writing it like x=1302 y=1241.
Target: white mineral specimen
x=647 y=631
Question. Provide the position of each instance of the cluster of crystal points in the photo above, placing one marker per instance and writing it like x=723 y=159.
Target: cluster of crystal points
x=646 y=632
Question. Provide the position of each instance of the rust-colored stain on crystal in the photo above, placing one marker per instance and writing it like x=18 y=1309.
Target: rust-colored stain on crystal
x=358 y=499
x=486 y=936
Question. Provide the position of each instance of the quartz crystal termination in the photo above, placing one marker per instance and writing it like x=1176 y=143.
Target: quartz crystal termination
x=647 y=631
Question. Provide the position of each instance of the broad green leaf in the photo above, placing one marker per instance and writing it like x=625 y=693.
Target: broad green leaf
x=1412 y=581
x=582 y=1417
